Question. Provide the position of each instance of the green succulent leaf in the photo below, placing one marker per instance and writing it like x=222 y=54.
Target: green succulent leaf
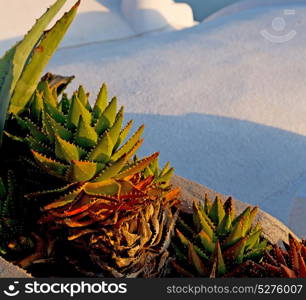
x=196 y=261
x=65 y=151
x=26 y=84
x=12 y=64
x=86 y=136
x=101 y=102
x=217 y=211
x=103 y=151
x=77 y=109
x=107 y=119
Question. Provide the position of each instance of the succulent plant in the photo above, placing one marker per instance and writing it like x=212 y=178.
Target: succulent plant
x=71 y=141
x=213 y=242
x=14 y=235
x=20 y=71
x=74 y=164
x=289 y=262
x=102 y=186
x=21 y=66
x=133 y=242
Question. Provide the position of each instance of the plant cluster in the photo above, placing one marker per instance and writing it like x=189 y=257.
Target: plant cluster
x=214 y=242
x=74 y=193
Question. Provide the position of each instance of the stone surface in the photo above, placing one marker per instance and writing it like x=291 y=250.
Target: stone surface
x=273 y=229
x=8 y=270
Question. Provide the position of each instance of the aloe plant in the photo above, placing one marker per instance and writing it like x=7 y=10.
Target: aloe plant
x=102 y=185
x=289 y=262
x=21 y=66
x=14 y=233
x=117 y=209
x=213 y=242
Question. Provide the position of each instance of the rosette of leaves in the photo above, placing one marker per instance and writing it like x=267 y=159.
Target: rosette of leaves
x=213 y=242
x=104 y=185
x=134 y=243
x=125 y=233
x=86 y=148
x=289 y=262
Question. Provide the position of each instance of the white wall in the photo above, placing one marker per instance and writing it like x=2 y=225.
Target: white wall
x=203 y=8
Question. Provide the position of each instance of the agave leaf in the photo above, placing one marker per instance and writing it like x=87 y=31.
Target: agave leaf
x=182 y=238
x=101 y=102
x=105 y=187
x=123 y=134
x=217 y=211
x=202 y=222
x=2 y=189
x=255 y=254
x=207 y=204
x=200 y=253
x=144 y=231
x=65 y=151
x=181 y=270
x=64 y=200
x=302 y=267
x=29 y=78
x=279 y=255
x=83 y=97
x=53 y=128
x=108 y=117
x=195 y=260
x=185 y=228
x=83 y=170
x=229 y=207
x=13 y=62
x=235 y=236
x=86 y=136
x=77 y=224
x=103 y=151
x=128 y=146
x=218 y=260
x=78 y=234
x=111 y=171
x=206 y=241
x=37 y=146
x=77 y=109
x=34 y=130
x=114 y=132
x=288 y=273
x=253 y=239
x=166 y=177
x=253 y=214
x=64 y=104
x=137 y=167
x=36 y=106
x=225 y=226
x=171 y=195
x=245 y=213
x=55 y=113
x=236 y=252
x=48 y=97
x=165 y=169
x=55 y=168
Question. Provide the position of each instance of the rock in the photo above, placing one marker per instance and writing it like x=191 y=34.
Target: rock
x=273 y=229
x=8 y=270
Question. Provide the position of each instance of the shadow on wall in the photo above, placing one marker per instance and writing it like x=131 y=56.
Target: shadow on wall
x=252 y=162
x=204 y=8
